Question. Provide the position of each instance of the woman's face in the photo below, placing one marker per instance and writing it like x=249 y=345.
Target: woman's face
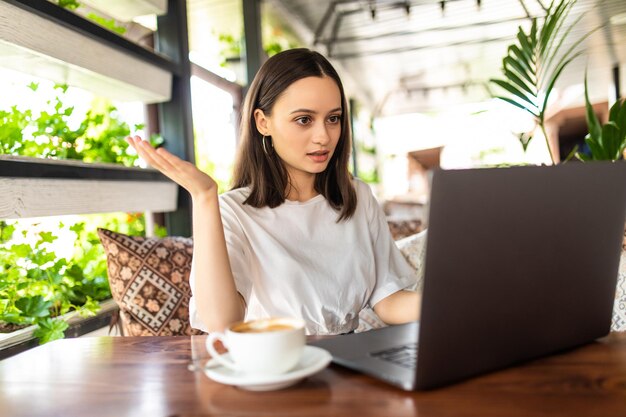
x=305 y=125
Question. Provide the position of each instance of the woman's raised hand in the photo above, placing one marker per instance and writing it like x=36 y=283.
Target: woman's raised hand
x=184 y=173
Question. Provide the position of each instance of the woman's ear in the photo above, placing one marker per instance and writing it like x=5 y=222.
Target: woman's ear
x=261 y=122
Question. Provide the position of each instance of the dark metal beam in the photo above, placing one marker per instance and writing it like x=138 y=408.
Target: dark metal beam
x=521 y=2
x=351 y=55
x=330 y=10
x=252 y=32
x=355 y=167
x=175 y=116
x=25 y=167
x=333 y=34
x=348 y=39
x=616 y=83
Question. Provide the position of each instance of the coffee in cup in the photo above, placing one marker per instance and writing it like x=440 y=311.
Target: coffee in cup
x=266 y=346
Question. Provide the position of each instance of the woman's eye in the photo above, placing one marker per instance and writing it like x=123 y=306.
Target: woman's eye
x=334 y=119
x=303 y=120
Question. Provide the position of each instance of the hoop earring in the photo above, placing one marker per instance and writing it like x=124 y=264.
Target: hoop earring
x=265 y=145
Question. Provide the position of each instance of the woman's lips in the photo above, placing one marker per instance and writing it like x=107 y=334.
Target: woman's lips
x=319 y=156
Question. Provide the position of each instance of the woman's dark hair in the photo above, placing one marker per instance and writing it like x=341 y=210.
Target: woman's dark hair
x=265 y=173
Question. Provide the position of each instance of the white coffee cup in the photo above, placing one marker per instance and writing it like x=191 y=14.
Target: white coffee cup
x=266 y=346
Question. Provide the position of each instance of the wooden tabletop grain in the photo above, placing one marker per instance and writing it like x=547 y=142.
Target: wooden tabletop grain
x=151 y=376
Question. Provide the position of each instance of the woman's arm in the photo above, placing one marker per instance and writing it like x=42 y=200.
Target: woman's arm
x=400 y=307
x=218 y=301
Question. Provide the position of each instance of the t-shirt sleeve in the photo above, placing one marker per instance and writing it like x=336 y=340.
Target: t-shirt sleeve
x=238 y=255
x=393 y=273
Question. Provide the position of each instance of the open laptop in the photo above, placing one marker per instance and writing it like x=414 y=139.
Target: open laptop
x=520 y=263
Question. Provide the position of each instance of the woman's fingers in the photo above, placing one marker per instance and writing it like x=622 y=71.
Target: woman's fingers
x=148 y=154
x=169 y=164
x=180 y=171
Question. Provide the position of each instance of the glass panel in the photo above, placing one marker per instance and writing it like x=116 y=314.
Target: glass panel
x=215 y=37
x=214 y=125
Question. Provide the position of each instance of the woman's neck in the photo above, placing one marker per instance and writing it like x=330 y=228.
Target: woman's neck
x=301 y=187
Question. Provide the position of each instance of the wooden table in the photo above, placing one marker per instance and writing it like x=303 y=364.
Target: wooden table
x=149 y=376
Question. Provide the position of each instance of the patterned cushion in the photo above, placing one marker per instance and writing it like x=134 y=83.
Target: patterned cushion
x=403 y=228
x=619 y=308
x=149 y=279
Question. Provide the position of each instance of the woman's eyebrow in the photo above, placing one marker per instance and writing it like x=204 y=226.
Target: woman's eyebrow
x=313 y=111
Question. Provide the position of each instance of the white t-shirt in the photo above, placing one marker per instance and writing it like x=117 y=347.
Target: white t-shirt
x=295 y=260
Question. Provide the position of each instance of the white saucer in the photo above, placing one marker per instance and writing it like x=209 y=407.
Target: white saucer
x=313 y=360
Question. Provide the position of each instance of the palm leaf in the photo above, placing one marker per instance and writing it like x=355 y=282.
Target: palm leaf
x=514 y=79
x=509 y=62
x=518 y=56
x=552 y=81
x=595 y=129
x=525 y=46
x=554 y=50
x=516 y=92
x=528 y=68
x=553 y=22
x=516 y=104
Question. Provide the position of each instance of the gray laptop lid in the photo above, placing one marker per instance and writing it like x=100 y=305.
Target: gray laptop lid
x=520 y=262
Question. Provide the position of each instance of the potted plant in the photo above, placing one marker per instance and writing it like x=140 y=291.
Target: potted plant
x=534 y=63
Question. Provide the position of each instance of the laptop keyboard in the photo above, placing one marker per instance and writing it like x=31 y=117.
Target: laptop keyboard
x=405 y=356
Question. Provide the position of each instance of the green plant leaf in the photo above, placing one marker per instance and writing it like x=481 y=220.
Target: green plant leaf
x=509 y=62
x=47 y=237
x=553 y=21
x=516 y=104
x=6 y=231
x=611 y=141
x=516 y=92
x=552 y=81
x=13 y=318
x=518 y=82
x=528 y=69
x=50 y=329
x=593 y=124
x=35 y=306
x=22 y=250
x=515 y=53
x=69 y=4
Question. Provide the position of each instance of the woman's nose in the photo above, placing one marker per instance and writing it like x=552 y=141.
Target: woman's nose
x=321 y=136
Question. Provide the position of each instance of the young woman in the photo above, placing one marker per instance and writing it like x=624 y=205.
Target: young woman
x=297 y=235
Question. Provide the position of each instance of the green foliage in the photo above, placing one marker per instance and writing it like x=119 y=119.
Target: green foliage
x=50 y=329
x=38 y=285
x=606 y=142
x=370 y=177
x=68 y=4
x=230 y=47
x=99 y=137
x=534 y=63
x=110 y=24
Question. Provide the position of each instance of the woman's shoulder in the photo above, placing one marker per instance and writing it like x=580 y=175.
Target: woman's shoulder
x=364 y=192
x=234 y=197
